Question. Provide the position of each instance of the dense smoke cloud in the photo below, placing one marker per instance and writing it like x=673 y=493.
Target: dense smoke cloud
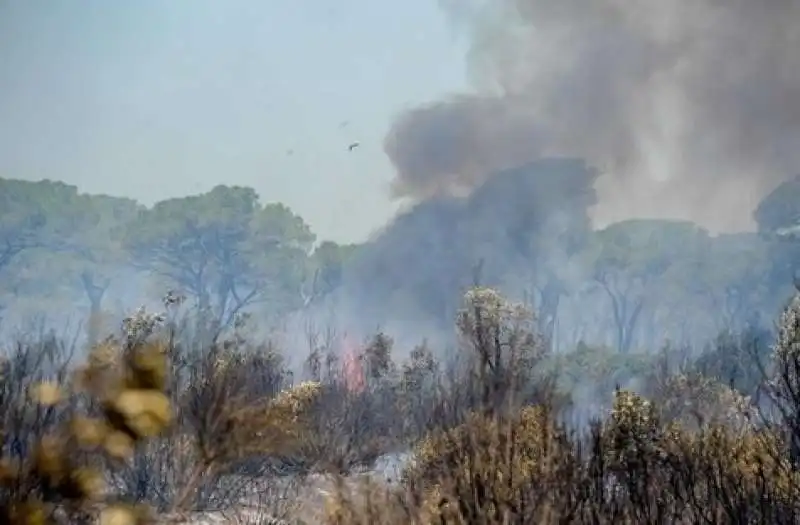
x=688 y=107
x=450 y=147
x=519 y=230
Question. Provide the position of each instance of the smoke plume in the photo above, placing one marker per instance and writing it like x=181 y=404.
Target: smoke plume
x=689 y=108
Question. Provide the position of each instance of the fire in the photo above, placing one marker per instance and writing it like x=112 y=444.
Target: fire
x=351 y=366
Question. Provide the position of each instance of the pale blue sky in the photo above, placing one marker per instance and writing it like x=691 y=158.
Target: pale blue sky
x=159 y=98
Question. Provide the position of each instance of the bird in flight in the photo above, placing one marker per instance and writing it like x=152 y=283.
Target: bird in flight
x=353 y=146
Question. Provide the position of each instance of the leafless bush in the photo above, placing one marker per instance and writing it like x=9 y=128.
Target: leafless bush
x=223 y=441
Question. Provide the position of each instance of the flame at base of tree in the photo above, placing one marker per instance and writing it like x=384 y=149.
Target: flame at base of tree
x=352 y=369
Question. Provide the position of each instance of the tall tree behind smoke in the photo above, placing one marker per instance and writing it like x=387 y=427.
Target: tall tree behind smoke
x=689 y=107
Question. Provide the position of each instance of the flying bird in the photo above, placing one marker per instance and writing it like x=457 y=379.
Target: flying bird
x=353 y=146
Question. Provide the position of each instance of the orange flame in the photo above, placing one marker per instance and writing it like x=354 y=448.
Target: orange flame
x=352 y=369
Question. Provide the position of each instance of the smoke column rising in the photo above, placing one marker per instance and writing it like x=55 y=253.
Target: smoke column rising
x=688 y=107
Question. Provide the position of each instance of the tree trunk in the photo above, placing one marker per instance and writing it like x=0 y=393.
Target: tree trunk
x=548 y=311
x=95 y=293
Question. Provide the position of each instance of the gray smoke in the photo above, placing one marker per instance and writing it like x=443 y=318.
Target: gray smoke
x=518 y=229
x=688 y=107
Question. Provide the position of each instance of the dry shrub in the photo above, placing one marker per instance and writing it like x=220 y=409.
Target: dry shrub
x=500 y=350
x=493 y=450
x=231 y=417
x=783 y=387
x=357 y=417
x=62 y=477
x=368 y=501
x=697 y=401
x=139 y=411
x=345 y=436
x=716 y=473
x=749 y=458
x=699 y=452
x=419 y=378
x=482 y=470
x=633 y=435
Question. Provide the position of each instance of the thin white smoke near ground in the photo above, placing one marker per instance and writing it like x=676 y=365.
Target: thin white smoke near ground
x=689 y=107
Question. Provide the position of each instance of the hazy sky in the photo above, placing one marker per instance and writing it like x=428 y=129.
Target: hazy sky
x=160 y=98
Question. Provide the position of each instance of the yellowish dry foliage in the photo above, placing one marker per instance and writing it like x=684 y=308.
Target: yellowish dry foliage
x=736 y=454
x=484 y=464
x=632 y=437
x=274 y=427
x=369 y=502
x=128 y=381
x=696 y=401
x=747 y=459
x=47 y=393
x=119 y=514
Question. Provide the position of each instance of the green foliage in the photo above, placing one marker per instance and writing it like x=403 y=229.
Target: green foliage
x=631 y=258
x=58 y=241
x=642 y=247
x=327 y=265
x=228 y=252
x=594 y=370
x=224 y=249
x=735 y=277
x=35 y=214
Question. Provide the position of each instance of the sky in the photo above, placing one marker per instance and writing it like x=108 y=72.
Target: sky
x=153 y=99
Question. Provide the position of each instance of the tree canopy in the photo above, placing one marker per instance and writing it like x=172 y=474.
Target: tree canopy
x=526 y=231
x=224 y=249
